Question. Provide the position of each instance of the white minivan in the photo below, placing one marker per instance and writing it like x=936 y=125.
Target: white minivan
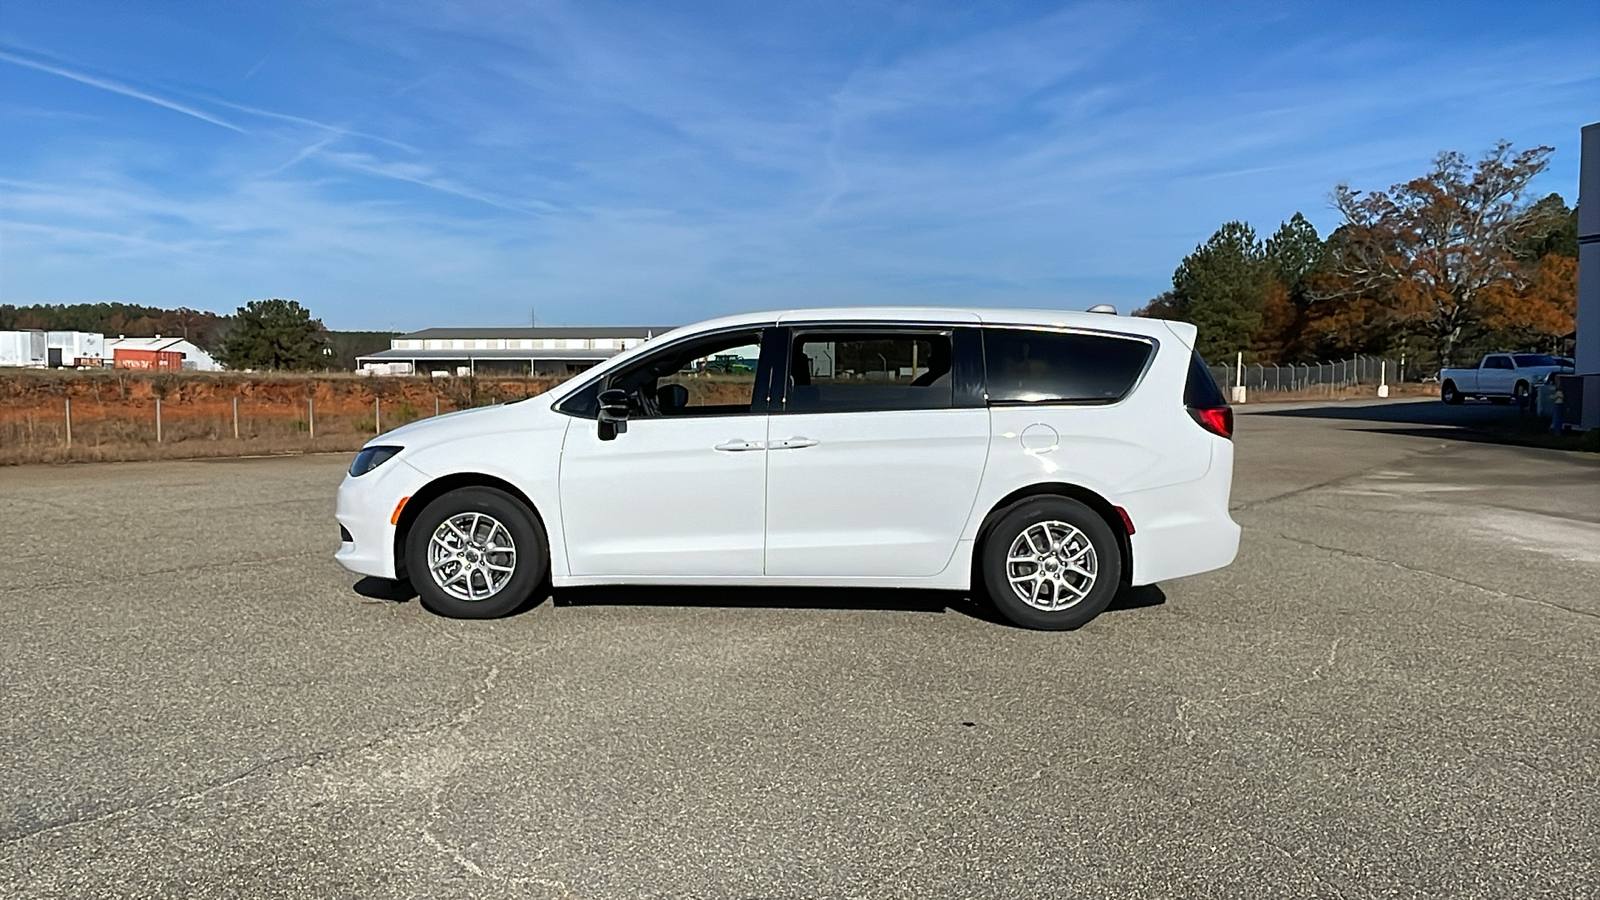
x=1044 y=458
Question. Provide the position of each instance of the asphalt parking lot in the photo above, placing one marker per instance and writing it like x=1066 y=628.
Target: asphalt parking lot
x=1394 y=692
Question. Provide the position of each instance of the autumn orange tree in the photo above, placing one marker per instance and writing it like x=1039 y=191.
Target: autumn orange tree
x=1433 y=259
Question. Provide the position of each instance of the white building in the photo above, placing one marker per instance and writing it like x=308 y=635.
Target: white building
x=75 y=348
x=24 y=348
x=503 y=350
x=194 y=359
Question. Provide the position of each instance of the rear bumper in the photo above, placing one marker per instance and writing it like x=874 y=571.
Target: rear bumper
x=1184 y=529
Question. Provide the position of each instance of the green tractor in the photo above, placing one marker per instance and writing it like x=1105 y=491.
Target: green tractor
x=729 y=364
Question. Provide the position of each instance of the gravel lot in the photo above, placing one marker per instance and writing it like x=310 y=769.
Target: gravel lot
x=1395 y=691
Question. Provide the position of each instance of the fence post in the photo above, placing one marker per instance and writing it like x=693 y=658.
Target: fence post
x=436 y=404
x=69 y=423
x=311 y=419
x=236 y=418
x=377 y=424
x=158 y=420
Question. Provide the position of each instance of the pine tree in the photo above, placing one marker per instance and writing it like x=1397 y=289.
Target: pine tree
x=1222 y=287
x=275 y=334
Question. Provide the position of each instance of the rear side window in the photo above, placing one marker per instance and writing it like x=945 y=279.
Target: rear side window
x=1532 y=360
x=1026 y=366
x=859 y=371
x=1201 y=391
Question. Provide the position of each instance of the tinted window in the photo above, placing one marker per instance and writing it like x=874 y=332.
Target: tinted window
x=1027 y=366
x=1201 y=391
x=1497 y=362
x=708 y=377
x=1528 y=360
x=856 y=371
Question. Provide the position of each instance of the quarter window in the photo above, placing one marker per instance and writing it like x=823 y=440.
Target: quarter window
x=1029 y=366
x=858 y=371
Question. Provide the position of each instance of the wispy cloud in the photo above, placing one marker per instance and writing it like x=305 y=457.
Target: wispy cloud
x=309 y=123
x=425 y=176
x=106 y=84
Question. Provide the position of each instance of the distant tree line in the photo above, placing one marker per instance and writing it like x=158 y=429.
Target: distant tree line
x=1442 y=267
x=205 y=329
x=262 y=334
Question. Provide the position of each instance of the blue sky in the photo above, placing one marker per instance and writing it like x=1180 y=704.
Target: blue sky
x=401 y=165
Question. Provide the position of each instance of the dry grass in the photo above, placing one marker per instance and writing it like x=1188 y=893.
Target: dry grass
x=114 y=414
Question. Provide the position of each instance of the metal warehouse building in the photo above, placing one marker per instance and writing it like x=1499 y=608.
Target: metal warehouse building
x=512 y=351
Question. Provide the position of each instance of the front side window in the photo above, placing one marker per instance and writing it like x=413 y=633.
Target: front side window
x=1034 y=366
x=860 y=371
x=712 y=376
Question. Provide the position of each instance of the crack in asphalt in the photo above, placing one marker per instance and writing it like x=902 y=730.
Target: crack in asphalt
x=1510 y=595
x=275 y=766
x=282 y=765
x=1180 y=715
x=456 y=855
x=1337 y=888
x=126 y=577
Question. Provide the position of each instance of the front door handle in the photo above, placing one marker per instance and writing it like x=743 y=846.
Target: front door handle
x=740 y=446
x=794 y=443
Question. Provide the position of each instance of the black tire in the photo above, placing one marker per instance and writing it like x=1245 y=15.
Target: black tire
x=530 y=565
x=1038 y=511
x=1520 y=393
x=1449 y=394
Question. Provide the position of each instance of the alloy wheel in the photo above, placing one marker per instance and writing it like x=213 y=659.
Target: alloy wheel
x=471 y=556
x=1052 y=566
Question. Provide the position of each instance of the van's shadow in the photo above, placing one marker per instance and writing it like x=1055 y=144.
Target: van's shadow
x=1474 y=421
x=885 y=599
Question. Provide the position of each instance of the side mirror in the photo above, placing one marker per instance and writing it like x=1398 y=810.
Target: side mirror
x=613 y=414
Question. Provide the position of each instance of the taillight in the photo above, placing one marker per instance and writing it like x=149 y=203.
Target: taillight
x=1216 y=419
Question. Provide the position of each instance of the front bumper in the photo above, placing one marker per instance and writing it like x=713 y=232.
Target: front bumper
x=364 y=509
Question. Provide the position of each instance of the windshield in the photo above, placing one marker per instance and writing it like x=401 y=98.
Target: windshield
x=1529 y=360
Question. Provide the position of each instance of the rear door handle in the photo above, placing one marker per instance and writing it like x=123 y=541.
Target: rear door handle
x=739 y=446
x=794 y=443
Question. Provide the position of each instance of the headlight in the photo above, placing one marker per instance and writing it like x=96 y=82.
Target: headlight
x=370 y=458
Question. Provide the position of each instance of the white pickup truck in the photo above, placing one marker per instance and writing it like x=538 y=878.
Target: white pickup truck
x=1500 y=377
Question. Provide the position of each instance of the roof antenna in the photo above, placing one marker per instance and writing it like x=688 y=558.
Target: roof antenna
x=1106 y=308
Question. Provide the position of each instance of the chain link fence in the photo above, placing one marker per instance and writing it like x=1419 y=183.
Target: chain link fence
x=55 y=417
x=1317 y=378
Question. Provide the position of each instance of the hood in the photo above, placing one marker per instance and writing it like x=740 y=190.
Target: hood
x=433 y=429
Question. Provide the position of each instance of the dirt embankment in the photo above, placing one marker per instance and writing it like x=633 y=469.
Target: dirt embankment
x=54 y=416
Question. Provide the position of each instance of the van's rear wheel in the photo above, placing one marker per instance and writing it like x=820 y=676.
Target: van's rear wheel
x=476 y=553
x=1051 y=563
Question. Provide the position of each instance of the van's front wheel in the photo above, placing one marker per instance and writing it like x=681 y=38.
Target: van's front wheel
x=1051 y=563
x=476 y=553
